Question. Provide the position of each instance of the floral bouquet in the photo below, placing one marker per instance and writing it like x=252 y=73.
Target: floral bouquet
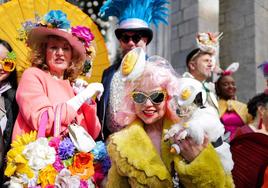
x=54 y=162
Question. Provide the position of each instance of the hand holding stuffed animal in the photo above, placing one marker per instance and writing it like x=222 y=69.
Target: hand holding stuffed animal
x=197 y=121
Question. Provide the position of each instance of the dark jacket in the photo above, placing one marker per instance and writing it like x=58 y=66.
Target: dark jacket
x=11 y=113
x=103 y=102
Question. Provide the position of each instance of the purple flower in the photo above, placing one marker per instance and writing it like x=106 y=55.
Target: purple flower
x=83 y=33
x=58 y=164
x=106 y=164
x=66 y=149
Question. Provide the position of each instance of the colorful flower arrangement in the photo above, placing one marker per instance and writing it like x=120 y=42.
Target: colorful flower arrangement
x=53 y=19
x=54 y=162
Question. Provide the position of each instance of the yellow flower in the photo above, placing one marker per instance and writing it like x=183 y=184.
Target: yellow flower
x=47 y=176
x=16 y=162
x=185 y=94
x=24 y=139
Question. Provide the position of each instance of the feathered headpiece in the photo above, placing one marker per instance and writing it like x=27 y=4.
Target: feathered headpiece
x=136 y=15
x=264 y=68
x=208 y=42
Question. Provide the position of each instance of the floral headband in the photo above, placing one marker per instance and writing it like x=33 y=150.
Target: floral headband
x=58 y=20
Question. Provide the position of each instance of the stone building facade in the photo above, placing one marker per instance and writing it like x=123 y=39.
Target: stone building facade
x=244 y=24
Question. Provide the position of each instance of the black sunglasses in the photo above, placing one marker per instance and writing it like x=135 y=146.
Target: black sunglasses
x=135 y=38
x=155 y=97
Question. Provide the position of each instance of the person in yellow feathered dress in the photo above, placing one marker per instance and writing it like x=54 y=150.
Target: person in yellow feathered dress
x=139 y=155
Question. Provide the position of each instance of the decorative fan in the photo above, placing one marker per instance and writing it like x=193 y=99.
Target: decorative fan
x=15 y=12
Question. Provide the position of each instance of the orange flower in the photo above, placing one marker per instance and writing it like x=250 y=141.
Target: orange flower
x=47 y=176
x=83 y=165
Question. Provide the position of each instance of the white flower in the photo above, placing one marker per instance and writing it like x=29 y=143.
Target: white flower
x=65 y=179
x=15 y=182
x=39 y=154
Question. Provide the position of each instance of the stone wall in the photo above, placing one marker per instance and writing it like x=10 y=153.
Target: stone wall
x=187 y=18
x=245 y=25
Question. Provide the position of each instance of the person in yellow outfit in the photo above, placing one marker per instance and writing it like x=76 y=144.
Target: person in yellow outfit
x=139 y=155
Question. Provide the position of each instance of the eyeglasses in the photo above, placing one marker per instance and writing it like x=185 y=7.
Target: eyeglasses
x=155 y=97
x=135 y=38
x=8 y=65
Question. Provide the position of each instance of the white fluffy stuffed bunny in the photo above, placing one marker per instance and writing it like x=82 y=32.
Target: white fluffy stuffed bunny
x=198 y=121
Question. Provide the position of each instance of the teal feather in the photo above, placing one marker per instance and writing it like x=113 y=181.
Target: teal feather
x=151 y=11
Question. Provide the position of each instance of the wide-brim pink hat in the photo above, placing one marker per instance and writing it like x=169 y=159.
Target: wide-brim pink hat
x=39 y=34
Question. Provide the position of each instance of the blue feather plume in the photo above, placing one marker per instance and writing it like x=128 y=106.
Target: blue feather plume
x=151 y=11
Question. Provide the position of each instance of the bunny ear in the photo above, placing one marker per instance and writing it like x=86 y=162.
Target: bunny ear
x=233 y=67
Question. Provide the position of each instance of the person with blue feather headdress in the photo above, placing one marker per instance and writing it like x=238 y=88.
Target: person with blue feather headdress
x=134 y=19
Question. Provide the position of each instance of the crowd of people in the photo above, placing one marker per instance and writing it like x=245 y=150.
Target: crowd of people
x=135 y=105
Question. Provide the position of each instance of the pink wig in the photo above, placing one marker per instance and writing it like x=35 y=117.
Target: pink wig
x=157 y=73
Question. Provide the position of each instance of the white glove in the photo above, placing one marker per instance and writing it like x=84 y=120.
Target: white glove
x=92 y=89
x=79 y=85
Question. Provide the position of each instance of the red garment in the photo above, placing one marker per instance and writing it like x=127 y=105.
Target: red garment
x=38 y=92
x=265 y=179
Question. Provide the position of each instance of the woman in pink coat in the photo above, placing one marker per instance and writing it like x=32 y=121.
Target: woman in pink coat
x=57 y=56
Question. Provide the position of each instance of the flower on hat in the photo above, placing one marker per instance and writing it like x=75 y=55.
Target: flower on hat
x=53 y=19
x=56 y=19
x=84 y=34
x=185 y=94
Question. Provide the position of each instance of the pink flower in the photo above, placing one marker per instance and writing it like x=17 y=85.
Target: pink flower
x=83 y=33
x=58 y=164
x=54 y=142
x=49 y=186
x=83 y=184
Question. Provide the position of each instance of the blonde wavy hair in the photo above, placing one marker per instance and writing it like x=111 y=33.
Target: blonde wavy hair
x=38 y=59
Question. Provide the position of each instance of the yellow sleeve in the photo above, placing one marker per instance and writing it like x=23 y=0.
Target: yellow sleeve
x=205 y=171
